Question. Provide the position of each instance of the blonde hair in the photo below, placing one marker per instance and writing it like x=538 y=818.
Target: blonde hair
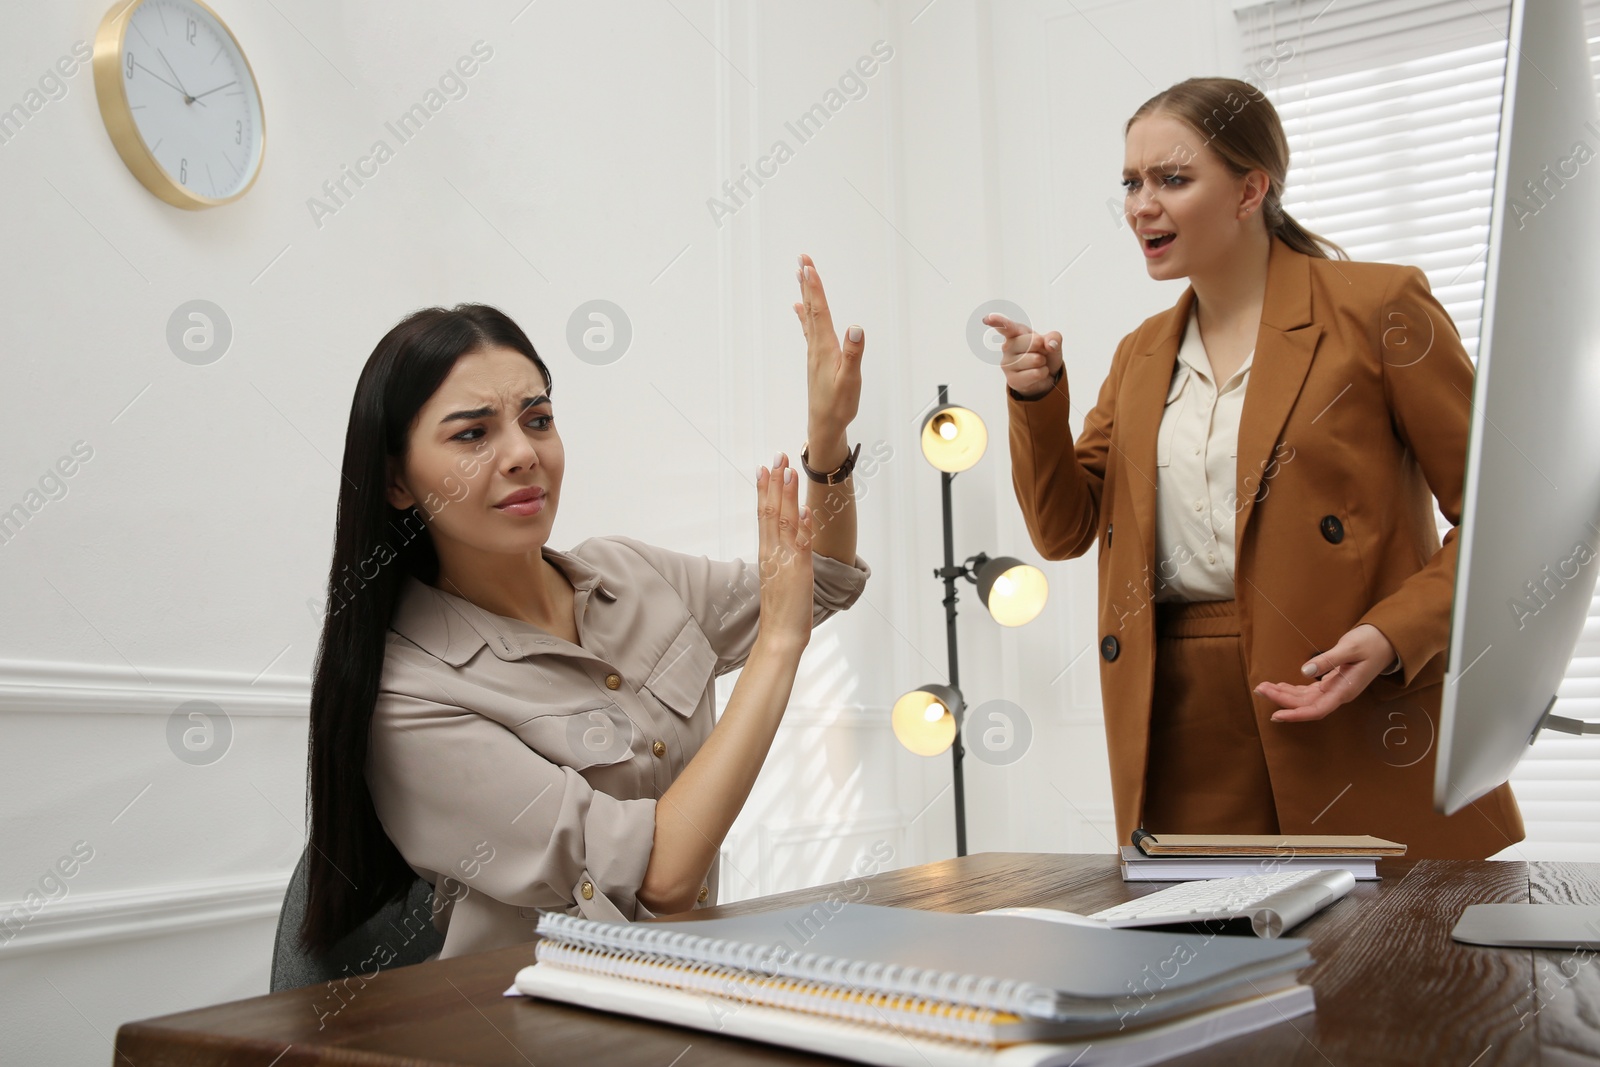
x=1242 y=127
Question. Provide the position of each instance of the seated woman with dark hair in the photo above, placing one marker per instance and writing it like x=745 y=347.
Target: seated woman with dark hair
x=537 y=726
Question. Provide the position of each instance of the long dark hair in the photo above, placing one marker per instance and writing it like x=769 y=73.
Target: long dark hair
x=1243 y=128
x=352 y=868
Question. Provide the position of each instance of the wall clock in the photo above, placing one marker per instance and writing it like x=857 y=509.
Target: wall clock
x=179 y=100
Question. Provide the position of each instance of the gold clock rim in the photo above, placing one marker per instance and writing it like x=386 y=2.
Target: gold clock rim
x=117 y=116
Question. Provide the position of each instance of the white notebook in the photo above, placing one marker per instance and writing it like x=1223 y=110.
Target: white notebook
x=922 y=1016
x=978 y=979
x=888 y=1047
x=1019 y=965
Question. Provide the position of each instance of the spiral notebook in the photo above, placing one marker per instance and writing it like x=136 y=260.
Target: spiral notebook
x=975 y=981
x=885 y=1046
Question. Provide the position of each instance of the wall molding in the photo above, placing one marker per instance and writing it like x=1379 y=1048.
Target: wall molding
x=33 y=687
x=122 y=914
x=773 y=837
x=67 y=688
x=791 y=836
x=798 y=831
x=853 y=716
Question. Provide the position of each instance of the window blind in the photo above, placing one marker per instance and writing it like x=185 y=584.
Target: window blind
x=1392 y=111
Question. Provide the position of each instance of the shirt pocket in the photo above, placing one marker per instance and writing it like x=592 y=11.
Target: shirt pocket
x=598 y=735
x=682 y=674
x=1171 y=415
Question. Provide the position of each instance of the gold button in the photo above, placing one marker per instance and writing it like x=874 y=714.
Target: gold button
x=588 y=890
x=659 y=748
x=705 y=891
x=613 y=681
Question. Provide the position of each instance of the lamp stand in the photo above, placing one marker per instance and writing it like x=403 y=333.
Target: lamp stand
x=950 y=572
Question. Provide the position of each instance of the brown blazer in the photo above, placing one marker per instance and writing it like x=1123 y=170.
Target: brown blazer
x=1355 y=417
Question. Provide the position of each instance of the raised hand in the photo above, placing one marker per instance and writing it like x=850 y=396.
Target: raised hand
x=785 y=546
x=694 y=814
x=833 y=371
x=1030 y=360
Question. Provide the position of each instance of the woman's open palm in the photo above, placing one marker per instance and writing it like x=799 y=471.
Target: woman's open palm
x=786 y=569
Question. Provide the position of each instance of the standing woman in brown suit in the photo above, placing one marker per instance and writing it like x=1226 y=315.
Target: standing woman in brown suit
x=1259 y=471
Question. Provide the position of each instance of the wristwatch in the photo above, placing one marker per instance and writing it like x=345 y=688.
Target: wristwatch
x=833 y=477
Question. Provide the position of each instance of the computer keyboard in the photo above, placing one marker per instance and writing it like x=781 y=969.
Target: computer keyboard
x=1272 y=902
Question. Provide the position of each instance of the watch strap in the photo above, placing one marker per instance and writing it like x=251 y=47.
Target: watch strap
x=833 y=477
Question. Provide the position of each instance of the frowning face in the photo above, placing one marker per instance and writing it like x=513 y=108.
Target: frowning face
x=1187 y=210
x=484 y=460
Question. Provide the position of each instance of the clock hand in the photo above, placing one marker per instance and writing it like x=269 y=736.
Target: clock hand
x=208 y=92
x=187 y=99
x=160 y=79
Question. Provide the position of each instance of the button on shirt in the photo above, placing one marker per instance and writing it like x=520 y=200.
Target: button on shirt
x=493 y=738
x=1197 y=455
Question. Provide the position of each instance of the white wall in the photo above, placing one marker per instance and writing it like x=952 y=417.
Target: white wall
x=1045 y=108
x=181 y=562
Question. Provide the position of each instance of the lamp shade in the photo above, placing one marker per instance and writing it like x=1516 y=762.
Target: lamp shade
x=1013 y=591
x=954 y=438
x=924 y=719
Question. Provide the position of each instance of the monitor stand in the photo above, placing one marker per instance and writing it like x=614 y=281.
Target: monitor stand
x=1570 y=926
x=1563 y=723
x=1562 y=926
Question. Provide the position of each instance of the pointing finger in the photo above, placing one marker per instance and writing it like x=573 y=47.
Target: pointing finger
x=1007 y=327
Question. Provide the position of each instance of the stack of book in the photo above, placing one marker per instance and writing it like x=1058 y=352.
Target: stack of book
x=1188 y=857
x=886 y=985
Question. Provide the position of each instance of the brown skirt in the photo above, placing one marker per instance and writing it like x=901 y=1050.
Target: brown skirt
x=1206 y=773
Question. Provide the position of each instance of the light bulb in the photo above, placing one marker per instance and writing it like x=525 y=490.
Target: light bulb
x=924 y=719
x=1013 y=591
x=954 y=438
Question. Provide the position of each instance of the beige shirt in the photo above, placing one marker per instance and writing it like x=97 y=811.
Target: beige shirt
x=528 y=768
x=1197 y=456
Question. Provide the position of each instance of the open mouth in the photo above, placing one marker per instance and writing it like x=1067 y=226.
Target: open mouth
x=1160 y=241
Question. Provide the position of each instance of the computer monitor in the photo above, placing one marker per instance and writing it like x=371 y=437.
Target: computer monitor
x=1530 y=523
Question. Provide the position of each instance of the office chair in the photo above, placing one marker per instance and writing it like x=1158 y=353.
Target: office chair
x=404 y=926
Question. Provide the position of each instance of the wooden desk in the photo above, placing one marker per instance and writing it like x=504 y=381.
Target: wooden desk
x=1391 y=986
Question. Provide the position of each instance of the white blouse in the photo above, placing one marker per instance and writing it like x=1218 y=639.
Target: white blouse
x=1197 y=456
